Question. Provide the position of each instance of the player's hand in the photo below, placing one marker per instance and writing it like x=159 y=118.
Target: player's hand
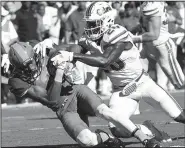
x=42 y=46
x=63 y=56
x=5 y=62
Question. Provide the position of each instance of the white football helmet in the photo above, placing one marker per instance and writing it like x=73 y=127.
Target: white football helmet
x=99 y=17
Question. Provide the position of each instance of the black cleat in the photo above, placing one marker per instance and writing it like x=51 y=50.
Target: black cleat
x=160 y=136
x=151 y=143
x=111 y=142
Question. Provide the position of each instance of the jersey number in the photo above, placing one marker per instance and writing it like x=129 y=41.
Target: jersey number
x=112 y=29
x=118 y=65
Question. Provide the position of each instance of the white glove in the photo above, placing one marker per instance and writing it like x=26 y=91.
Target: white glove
x=61 y=66
x=63 y=56
x=5 y=62
x=41 y=47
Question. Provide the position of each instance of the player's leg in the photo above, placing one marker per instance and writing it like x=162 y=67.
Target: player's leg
x=169 y=63
x=162 y=79
x=78 y=130
x=159 y=98
x=124 y=107
x=88 y=101
x=120 y=120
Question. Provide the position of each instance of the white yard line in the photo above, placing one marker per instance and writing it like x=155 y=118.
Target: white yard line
x=60 y=127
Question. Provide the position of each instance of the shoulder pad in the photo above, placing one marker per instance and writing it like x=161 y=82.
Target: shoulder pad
x=152 y=8
x=115 y=34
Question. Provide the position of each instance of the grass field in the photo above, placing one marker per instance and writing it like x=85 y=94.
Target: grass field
x=34 y=125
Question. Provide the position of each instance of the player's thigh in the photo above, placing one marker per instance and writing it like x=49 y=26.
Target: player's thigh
x=157 y=97
x=88 y=101
x=169 y=63
x=73 y=124
x=123 y=105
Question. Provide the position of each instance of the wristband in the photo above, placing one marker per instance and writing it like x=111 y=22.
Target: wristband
x=140 y=38
x=59 y=75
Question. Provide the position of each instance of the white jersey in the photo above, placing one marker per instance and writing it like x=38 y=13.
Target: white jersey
x=149 y=9
x=128 y=66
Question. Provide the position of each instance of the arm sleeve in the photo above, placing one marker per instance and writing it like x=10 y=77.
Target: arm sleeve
x=18 y=87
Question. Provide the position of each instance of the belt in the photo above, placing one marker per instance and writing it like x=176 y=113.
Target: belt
x=136 y=80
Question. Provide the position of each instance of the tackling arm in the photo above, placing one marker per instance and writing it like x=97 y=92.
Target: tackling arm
x=110 y=55
x=154 y=25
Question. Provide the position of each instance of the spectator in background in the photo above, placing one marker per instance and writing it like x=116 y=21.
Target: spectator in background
x=9 y=36
x=51 y=21
x=40 y=14
x=26 y=23
x=181 y=9
x=64 y=12
x=174 y=18
x=12 y=7
x=116 y=5
x=74 y=26
x=8 y=32
x=128 y=18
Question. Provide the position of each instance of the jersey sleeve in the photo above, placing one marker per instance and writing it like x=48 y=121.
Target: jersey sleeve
x=116 y=34
x=18 y=87
x=152 y=8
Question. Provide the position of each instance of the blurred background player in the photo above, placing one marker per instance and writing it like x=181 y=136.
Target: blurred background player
x=157 y=43
x=63 y=98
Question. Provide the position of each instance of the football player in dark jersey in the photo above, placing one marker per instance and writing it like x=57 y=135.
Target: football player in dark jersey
x=71 y=100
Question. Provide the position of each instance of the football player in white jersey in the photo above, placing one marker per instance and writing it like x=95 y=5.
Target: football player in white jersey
x=157 y=42
x=112 y=49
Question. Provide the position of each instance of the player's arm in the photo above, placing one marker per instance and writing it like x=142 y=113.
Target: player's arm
x=38 y=94
x=23 y=89
x=110 y=55
x=55 y=88
x=154 y=24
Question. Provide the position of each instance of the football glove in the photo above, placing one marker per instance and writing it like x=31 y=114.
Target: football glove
x=63 y=56
x=42 y=46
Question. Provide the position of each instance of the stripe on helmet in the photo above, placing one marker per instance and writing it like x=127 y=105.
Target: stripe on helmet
x=88 y=12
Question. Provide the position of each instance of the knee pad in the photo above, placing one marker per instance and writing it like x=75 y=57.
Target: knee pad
x=181 y=117
x=87 y=138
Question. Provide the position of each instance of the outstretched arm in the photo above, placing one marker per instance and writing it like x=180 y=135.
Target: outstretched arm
x=154 y=25
x=38 y=94
x=110 y=55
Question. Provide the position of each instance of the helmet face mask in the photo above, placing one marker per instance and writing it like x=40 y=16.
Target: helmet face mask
x=93 y=29
x=27 y=64
x=98 y=18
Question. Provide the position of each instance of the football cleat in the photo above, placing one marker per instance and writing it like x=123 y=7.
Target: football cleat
x=152 y=143
x=111 y=142
x=160 y=136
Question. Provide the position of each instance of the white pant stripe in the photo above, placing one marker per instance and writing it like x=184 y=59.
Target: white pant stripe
x=173 y=64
